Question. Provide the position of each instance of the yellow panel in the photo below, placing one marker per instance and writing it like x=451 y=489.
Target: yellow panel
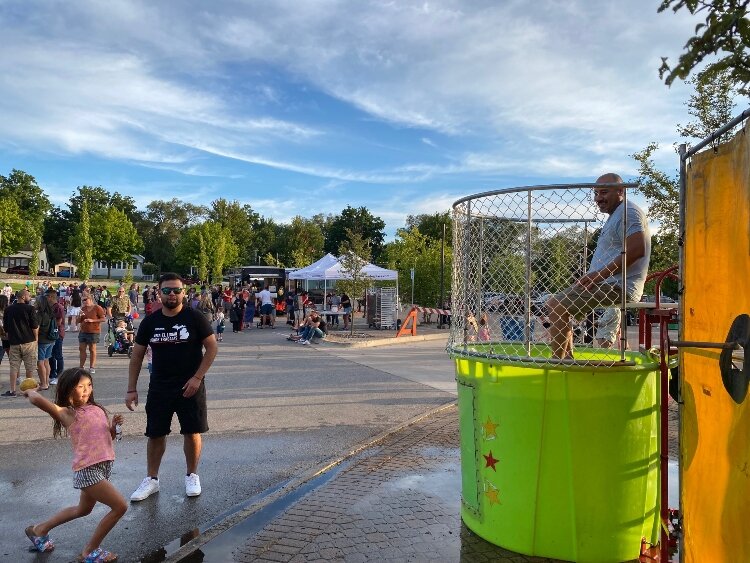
x=715 y=452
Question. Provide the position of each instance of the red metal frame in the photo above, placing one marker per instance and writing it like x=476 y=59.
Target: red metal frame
x=646 y=319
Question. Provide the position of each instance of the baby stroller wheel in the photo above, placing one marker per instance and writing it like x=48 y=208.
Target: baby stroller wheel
x=110 y=350
x=130 y=351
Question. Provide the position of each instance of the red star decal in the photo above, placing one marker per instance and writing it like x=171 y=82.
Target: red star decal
x=490 y=461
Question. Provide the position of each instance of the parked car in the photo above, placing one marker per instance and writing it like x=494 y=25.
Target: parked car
x=21 y=270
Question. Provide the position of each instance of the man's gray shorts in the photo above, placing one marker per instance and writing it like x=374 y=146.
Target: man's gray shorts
x=579 y=301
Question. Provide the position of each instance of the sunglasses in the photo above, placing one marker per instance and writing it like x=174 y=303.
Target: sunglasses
x=168 y=290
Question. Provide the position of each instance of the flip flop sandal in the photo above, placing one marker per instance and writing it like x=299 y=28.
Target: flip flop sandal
x=42 y=544
x=99 y=555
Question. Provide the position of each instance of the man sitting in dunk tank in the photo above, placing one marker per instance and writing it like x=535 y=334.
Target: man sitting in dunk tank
x=601 y=286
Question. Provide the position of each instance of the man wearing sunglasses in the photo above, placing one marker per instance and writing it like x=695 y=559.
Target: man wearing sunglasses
x=178 y=336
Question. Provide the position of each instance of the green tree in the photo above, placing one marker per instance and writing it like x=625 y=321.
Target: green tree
x=127 y=279
x=711 y=105
x=114 y=237
x=432 y=225
x=726 y=30
x=412 y=249
x=557 y=260
x=81 y=244
x=303 y=242
x=354 y=254
x=13 y=229
x=238 y=219
x=217 y=247
x=202 y=258
x=360 y=221
x=36 y=244
x=32 y=205
x=265 y=239
x=99 y=199
x=32 y=202
x=58 y=230
x=164 y=222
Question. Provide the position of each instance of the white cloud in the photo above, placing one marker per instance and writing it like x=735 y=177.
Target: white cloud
x=550 y=88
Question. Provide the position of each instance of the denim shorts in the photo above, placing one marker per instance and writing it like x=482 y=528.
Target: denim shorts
x=44 y=350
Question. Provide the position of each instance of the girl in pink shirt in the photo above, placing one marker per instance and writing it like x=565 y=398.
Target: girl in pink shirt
x=77 y=414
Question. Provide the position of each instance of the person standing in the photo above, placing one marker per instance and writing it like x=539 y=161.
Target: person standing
x=56 y=361
x=47 y=336
x=178 y=336
x=120 y=305
x=22 y=328
x=266 y=308
x=90 y=321
x=75 y=308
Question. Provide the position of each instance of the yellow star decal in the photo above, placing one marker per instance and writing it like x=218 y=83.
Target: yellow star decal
x=492 y=494
x=489 y=429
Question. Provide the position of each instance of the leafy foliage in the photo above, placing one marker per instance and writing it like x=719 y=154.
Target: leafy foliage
x=431 y=226
x=361 y=222
x=162 y=226
x=82 y=244
x=13 y=229
x=413 y=249
x=208 y=241
x=238 y=219
x=711 y=104
x=303 y=242
x=354 y=254
x=114 y=237
x=726 y=30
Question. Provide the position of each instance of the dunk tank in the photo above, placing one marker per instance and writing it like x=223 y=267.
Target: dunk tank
x=567 y=458
x=559 y=457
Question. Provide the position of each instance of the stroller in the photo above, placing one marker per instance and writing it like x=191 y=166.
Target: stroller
x=117 y=341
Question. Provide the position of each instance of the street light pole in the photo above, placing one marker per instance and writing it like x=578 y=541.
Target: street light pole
x=442 y=277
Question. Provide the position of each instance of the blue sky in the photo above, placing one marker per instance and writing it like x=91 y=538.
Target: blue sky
x=305 y=107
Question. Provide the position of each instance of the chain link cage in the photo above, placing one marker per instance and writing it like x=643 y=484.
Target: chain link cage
x=514 y=252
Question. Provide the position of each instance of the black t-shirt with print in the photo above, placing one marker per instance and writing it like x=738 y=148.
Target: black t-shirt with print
x=176 y=345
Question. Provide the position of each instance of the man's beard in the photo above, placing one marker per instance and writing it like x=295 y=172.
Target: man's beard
x=170 y=305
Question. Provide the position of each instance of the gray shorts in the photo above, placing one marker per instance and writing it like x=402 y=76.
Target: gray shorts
x=608 y=325
x=88 y=337
x=580 y=301
x=92 y=474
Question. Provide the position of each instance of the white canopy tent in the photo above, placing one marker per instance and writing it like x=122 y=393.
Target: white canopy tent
x=329 y=268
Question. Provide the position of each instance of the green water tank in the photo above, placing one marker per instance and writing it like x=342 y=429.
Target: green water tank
x=560 y=461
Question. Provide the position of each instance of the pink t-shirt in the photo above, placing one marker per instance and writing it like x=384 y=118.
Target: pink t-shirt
x=92 y=441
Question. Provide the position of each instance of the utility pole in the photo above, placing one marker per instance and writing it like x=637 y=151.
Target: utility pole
x=442 y=277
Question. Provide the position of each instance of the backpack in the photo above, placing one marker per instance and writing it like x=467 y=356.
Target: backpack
x=52 y=332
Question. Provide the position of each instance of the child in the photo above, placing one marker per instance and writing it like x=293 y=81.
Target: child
x=484 y=330
x=76 y=413
x=122 y=333
x=220 y=327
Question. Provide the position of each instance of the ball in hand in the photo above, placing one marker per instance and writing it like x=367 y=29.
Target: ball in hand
x=29 y=383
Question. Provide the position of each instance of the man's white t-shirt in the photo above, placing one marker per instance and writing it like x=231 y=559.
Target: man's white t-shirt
x=265 y=297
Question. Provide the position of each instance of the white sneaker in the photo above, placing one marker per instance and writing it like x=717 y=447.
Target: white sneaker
x=304 y=342
x=147 y=488
x=53 y=381
x=192 y=485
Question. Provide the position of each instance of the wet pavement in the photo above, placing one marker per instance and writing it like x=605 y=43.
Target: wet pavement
x=306 y=461
x=398 y=500
x=277 y=411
